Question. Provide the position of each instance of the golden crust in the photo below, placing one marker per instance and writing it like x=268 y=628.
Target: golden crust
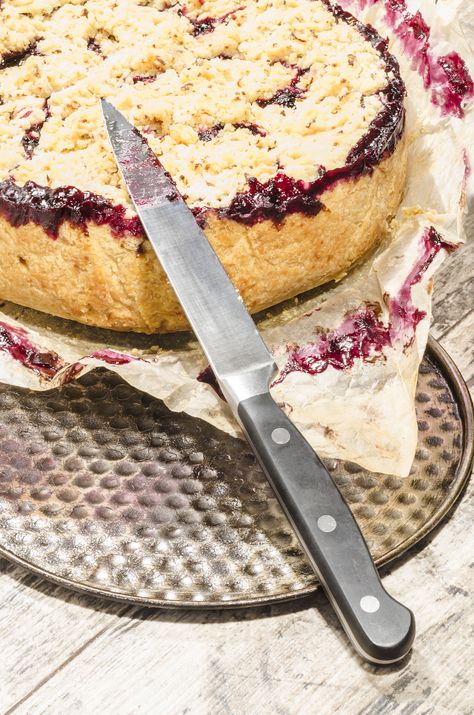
x=98 y=279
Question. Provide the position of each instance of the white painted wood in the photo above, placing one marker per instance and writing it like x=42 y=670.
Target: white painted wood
x=63 y=653
x=453 y=291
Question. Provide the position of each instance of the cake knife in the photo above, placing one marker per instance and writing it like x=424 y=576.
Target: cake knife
x=380 y=628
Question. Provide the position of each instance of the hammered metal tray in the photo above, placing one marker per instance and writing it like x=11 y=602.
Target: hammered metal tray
x=104 y=490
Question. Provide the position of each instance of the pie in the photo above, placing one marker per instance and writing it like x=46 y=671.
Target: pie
x=281 y=122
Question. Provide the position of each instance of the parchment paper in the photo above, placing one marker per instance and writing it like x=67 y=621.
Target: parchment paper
x=365 y=412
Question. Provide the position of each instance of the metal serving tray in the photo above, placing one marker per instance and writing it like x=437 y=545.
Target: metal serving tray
x=104 y=490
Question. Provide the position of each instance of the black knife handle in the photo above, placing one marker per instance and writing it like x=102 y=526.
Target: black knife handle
x=380 y=628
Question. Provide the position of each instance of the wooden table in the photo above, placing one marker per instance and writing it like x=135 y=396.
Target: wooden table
x=63 y=653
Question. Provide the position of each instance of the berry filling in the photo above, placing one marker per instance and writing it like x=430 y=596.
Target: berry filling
x=287 y=96
x=252 y=128
x=143 y=79
x=206 y=134
x=13 y=59
x=31 y=137
x=209 y=24
x=94 y=46
x=50 y=207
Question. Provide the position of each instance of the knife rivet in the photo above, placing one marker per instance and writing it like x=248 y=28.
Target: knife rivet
x=280 y=435
x=369 y=604
x=327 y=523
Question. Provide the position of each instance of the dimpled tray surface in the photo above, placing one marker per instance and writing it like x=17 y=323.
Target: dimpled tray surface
x=102 y=488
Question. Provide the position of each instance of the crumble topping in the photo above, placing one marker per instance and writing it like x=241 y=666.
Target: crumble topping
x=223 y=91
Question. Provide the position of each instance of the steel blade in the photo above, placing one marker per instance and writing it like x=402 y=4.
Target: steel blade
x=213 y=307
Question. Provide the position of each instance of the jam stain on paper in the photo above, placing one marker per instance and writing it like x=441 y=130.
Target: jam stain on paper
x=404 y=315
x=359 y=336
x=14 y=341
x=446 y=76
x=112 y=357
x=362 y=335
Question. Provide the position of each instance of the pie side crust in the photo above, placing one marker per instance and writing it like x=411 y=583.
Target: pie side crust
x=90 y=276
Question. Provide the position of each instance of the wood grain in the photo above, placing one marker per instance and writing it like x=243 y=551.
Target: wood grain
x=65 y=653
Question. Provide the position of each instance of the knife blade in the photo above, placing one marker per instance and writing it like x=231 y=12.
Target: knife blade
x=380 y=628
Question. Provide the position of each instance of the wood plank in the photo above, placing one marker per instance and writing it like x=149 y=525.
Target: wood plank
x=459 y=343
x=453 y=294
x=42 y=627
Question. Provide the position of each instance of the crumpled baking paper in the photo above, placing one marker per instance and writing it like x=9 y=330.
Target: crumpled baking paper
x=364 y=337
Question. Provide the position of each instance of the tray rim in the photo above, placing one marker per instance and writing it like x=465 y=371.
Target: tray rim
x=438 y=354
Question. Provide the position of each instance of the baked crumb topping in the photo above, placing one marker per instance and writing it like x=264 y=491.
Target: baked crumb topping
x=223 y=90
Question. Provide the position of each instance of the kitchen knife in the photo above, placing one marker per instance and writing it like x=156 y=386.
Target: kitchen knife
x=380 y=628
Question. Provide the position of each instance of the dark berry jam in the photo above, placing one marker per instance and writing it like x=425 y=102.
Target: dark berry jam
x=13 y=59
x=359 y=337
x=208 y=24
x=404 y=315
x=31 y=137
x=272 y=200
x=287 y=96
x=206 y=134
x=143 y=78
x=94 y=46
x=202 y=27
x=460 y=86
x=14 y=341
x=252 y=128
x=50 y=207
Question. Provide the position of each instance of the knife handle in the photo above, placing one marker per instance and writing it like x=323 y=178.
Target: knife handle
x=380 y=628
